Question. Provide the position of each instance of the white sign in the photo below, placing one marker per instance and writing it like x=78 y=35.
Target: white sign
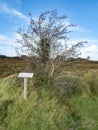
x=25 y=76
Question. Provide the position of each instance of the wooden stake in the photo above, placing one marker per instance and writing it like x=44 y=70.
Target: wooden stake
x=25 y=88
x=25 y=76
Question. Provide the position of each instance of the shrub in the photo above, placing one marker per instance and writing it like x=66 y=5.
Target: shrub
x=68 y=85
x=90 y=82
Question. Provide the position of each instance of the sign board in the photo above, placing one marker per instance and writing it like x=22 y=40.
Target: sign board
x=25 y=75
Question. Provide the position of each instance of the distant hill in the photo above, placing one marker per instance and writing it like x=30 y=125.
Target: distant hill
x=11 y=65
x=3 y=56
x=8 y=57
x=14 y=65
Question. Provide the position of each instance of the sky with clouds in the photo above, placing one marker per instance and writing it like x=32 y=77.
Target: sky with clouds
x=83 y=13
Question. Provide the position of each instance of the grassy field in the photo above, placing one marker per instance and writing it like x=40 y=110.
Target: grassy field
x=44 y=109
x=11 y=65
x=48 y=107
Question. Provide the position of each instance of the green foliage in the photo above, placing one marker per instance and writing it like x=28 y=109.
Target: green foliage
x=44 y=50
x=68 y=85
x=4 y=110
x=41 y=77
x=74 y=118
x=90 y=82
x=46 y=108
x=87 y=107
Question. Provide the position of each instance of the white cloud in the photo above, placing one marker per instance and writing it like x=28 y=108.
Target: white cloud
x=3 y=38
x=6 y=46
x=89 y=41
x=7 y=50
x=92 y=41
x=75 y=27
x=93 y=48
x=90 y=48
x=6 y=40
x=9 y=41
x=4 y=8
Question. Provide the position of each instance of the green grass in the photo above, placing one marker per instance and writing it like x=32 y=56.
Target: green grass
x=44 y=109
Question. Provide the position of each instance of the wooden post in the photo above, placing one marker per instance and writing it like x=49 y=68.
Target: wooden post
x=25 y=76
x=25 y=88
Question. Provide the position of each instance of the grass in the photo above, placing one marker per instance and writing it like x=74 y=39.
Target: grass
x=38 y=112
x=10 y=65
x=44 y=109
x=14 y=65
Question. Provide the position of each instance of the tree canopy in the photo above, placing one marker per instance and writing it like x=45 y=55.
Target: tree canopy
x=46 y=34
x=47 y=39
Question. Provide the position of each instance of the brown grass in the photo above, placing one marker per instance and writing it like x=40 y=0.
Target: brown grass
x=14 y=65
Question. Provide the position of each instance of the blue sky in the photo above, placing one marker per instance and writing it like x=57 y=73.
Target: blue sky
x=83 y=13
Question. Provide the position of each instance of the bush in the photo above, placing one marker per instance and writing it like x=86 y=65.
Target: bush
x=90 y=82
x=41 y=76
x=68 y=85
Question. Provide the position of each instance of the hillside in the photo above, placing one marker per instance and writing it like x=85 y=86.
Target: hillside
x=14 y=65
x=11 y=65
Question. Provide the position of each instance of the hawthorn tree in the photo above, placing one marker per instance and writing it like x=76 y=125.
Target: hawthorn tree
x=46 y=39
